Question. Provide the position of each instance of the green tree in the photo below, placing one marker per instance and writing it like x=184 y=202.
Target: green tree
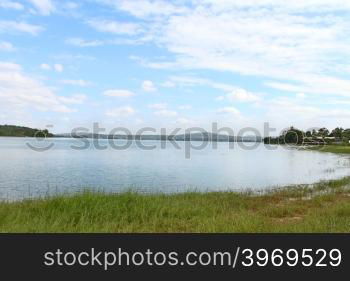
x=323 y=132
x=293 y=136
x=346 y=134
x=308 y=134
x=337 y=132
x=16 y=131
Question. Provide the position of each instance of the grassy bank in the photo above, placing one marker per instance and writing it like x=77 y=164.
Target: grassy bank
x=345 y=149
x=324 y=207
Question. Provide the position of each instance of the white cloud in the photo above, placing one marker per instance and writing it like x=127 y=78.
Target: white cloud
x=75 y=99
x=285 y=44
x=58 y=67
x=158 y=106
x=190 y=81
x=79 y=42
x=315 y=84
x=72 y=5
x=45 y=66
x=6 y=4
x=9 y=66
x=73 y=57
x=184 y=121
x=166 y=113
x=19 y=91
x=185 y=107
x=119 y=93
x=300 y=95
x=168 y=84
x=336 y=113
x=114 y=27
x=242 y=95
x=337 y=101
x=234 y=93
x=303 y=113
x=44 y=7
x=80 y=83
x=228 y=110
x=6 y=46
x=292 y=106
x=251 y=43
x=119 y=112
x=285 y=86
x=148 y=86
x=281 y=5
x=146 y=8
x=13 y=26
x=282 y=40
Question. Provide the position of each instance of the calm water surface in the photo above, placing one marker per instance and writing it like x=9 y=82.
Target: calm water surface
x=26 y=173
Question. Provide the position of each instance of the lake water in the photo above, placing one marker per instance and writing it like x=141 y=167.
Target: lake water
x=27 y=173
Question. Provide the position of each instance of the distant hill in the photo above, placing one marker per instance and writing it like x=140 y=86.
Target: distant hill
x=16 y=131
x=184 y=137
x=205 y=136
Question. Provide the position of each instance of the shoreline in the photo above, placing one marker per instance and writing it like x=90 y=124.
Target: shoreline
x=321 y=207
x=338 y=149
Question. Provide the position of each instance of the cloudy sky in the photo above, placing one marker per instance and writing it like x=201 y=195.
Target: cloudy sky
x=178 y=63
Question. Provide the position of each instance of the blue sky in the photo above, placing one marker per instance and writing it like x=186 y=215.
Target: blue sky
x=175 y=63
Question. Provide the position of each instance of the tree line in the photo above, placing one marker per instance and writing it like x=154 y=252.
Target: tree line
x=17 y=131
x=321 y=135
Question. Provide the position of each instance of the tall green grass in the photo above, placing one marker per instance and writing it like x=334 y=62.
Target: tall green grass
x=345 y=149
x=324 y=207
